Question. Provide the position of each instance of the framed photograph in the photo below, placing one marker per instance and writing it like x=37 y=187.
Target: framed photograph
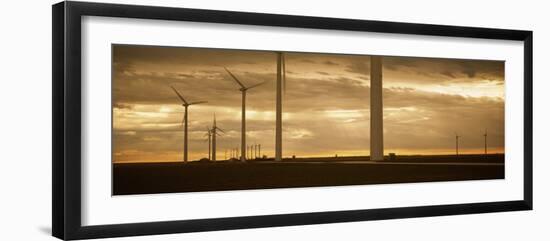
x=170 y=120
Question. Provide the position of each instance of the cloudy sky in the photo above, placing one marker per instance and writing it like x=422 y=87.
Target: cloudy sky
x=325 y=104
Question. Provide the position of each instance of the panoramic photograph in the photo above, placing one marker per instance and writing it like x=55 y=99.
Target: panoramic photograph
x=188 y=119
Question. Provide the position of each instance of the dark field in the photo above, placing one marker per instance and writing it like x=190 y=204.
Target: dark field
x=144 y=178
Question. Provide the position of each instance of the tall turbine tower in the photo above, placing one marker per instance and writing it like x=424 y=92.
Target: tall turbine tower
x=209 y=139
x=243 y=90
x=186 y=105
x=281 y=83
x=376 y=110
x=214 y=132
x=485 y=135
x=456 y=138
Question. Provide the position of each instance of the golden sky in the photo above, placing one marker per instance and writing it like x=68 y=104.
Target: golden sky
x=325 y=105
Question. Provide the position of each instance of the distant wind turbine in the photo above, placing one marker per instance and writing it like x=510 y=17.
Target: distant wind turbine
x=186 y=105
x=456 y=138
x=209 y=139
x=243 y=90
x=485 y=135
x=214 y=133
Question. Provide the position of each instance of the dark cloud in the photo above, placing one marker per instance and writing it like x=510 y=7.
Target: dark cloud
x=307 y=61
x=361 y=66
x=328 y=62
x=122 y=106
x=188 y=56
x=432 y=70
x=323 y=73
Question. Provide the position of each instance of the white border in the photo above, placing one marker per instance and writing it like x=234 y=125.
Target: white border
x=100 y=208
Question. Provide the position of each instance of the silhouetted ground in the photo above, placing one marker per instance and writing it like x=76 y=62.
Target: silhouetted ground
x=143 y=178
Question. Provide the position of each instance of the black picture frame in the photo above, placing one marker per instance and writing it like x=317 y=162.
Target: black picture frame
x=66 y=127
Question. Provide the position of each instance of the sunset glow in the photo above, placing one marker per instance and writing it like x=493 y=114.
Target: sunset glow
x=326 y=103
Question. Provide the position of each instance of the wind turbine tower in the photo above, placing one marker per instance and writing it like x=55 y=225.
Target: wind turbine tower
x=209 y=134
x=281 y=83
x=186 y=105
x=456 y=142
x=215 y=133
x=376 y=110
x=485 y=135
x=243 y=90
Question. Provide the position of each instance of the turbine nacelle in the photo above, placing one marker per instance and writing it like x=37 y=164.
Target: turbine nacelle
x=243 y=87
x=185 y=103
x=193 y=103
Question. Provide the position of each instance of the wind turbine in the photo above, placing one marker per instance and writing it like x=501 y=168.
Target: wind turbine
x=485 y=135
x=214 y=133
x=243 y=90
x=281 y=84
x=209 y=134
x=456 y=138
x=186 y=105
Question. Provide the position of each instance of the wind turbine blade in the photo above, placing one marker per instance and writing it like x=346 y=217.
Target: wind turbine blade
x=256 y=85
x=198 y=102
x=177 y=93
x=182 y=120
x=235 y=78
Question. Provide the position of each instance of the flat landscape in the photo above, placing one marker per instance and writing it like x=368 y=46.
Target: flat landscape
x=146 y=178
